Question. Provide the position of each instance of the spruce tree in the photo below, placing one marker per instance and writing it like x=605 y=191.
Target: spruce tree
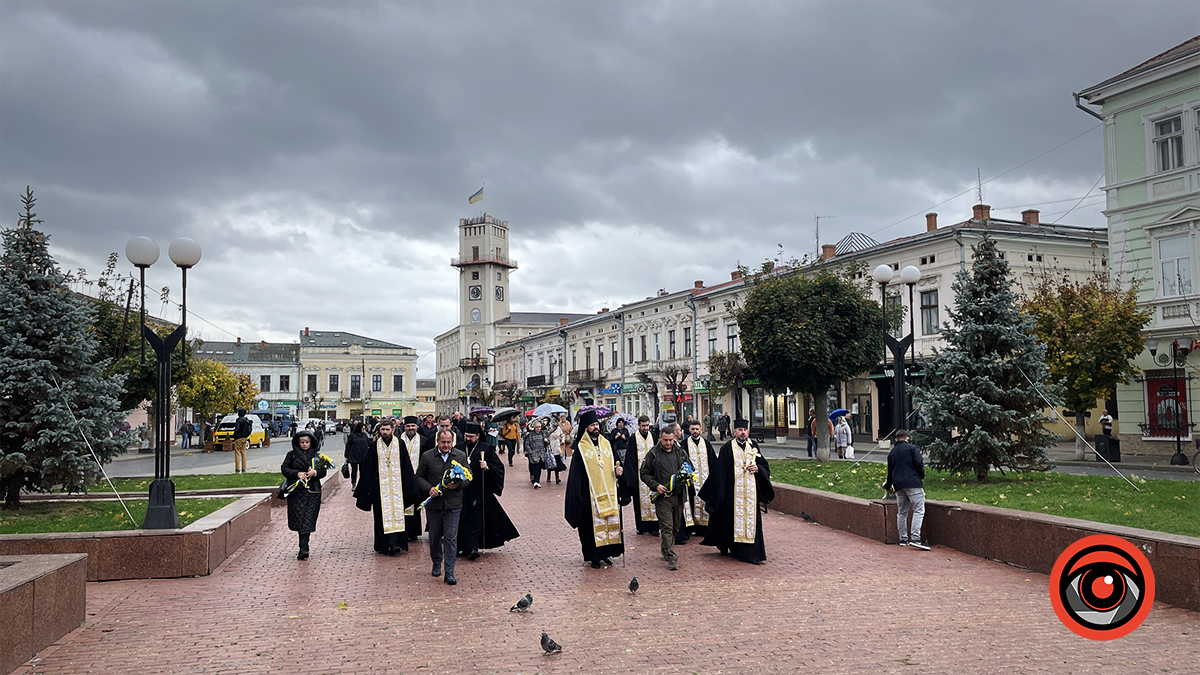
x=987 y=385
x=47 y=362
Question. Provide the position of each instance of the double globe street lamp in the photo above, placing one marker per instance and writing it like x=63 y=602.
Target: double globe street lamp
x=185 y=253
x=883 y=276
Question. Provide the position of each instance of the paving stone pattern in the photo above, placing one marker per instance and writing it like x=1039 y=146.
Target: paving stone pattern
x=824 y=602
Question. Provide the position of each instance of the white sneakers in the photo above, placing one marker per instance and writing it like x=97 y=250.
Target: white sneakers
x=537 y=485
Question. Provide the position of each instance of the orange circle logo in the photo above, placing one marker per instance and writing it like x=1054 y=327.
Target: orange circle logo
x=1102 y=587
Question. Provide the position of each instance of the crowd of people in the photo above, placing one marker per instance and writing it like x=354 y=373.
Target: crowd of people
x=443 y=478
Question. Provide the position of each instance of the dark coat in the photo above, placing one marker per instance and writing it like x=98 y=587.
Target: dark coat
x=718 y=494
x=619 y=438
x=304 y=503
x=242 y=428
x=358 y=447
x=483 y=523
x=631 y=477
x=367 y=495
x=429 y=475
x=577 y=506
x=660 y=465
x=906 y=468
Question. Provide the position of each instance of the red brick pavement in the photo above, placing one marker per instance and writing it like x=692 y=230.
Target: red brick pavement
x=825 y=602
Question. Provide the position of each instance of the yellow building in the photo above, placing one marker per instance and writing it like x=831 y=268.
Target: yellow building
x=348 y=375
x=426 y=398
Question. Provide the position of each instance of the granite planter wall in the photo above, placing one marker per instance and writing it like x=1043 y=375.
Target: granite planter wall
x=42 y=598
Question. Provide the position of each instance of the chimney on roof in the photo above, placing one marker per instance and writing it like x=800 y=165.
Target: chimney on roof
x=306 y=331
x=828 y=251
x=735 y=275
x=930 y=222
x=563 y=321
x=981 y=212
x=603 y=310
x=662 y=292
x=699 y=283
x=1030 y=216
x=262 y=345
x=239 y=342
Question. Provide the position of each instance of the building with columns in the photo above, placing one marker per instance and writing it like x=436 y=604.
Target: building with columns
x=464 y=359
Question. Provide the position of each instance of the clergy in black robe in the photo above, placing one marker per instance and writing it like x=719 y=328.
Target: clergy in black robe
x=594 y=494
x=703 y=458
x=483 y=523
x=638 y=446
x=387 y=487
x=414 y=443
x=740 y=481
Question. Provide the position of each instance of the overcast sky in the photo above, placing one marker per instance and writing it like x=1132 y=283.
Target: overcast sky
x=322 y=153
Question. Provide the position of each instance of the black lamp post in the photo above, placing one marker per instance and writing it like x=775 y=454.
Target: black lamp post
x=909 y=275
x=185 y=253
x=1180 y=348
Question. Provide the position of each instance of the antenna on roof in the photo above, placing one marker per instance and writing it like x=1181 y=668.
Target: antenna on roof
x=817 y=233
x=979 y=182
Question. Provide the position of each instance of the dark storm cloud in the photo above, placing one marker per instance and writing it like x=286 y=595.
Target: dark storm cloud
x=298 y=141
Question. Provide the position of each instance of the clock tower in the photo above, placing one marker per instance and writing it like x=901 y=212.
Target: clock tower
x=483 y=267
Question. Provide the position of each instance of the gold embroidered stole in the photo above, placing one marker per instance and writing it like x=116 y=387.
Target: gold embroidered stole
x=700 y=463
x=602 y=483
x=391 y=489
x=644 y=445
x=414 y=457
x=745 y=493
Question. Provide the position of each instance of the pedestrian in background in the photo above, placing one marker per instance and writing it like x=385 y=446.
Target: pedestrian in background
x=842 y=437
x=510 y=437
x=358 y=448
x=619 y=437
x=304 y=501
x=723 y=425
x=241 y=440
x=186 y=432
x=1106 y=421
x=905 y=473
x=536 y=444
x=557 y=450
x=810 y=430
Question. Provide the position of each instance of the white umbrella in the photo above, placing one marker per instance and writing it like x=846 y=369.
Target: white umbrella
x=548 y=409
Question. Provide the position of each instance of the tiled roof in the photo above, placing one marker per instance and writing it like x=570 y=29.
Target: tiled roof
x=325 y=338
x=855 y=241
x=1179 y=51
x=550 y=318
x=249 y=352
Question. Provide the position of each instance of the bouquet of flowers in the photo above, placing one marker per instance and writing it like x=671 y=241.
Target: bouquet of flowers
x=321 y=461
x=682 y=478
x=456 y=475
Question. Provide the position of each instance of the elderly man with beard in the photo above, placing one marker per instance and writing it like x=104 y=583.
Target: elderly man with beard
x=387 y=487
x=740 y=481
x=483 y=524
x=593 y=499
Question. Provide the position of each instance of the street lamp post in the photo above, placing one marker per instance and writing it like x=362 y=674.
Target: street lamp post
x=1180 y=348
x=185 y=253
x=909 y=275
x=142 y=252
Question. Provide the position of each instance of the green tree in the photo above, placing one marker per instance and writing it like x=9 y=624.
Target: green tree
x=1092 y=329
x=209 y=388
x=808 y=333
x=726 y=371
x=988 y=383
x=54 y=392
x=247 y=391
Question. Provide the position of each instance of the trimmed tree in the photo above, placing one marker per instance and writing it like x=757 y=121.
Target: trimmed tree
x=726 y=370
x=991 y=383
x=54 y=392
x=1092 y=329
x=209 y=388
x=808 y=333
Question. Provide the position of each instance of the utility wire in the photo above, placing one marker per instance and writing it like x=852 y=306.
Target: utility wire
x=1084 y=197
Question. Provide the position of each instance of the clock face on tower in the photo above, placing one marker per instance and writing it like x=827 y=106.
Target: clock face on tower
x=499 y=294
x=475 y=293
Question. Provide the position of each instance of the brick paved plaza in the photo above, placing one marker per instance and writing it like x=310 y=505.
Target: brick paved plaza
x=825 y=602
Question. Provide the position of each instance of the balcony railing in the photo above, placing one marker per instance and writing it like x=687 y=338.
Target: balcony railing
x=578 y=376
x=473 y=362
x=481 y=259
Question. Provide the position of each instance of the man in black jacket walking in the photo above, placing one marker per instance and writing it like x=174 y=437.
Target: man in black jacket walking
x=905 y=472
x=443 y=511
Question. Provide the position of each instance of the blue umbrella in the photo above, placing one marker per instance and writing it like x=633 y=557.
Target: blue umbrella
x=838 y=413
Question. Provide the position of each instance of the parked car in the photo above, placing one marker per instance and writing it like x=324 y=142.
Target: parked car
x=224 y=432
x=332 y=426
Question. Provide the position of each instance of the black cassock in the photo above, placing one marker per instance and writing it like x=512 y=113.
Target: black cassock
x=483 y=522
x=367 y=496
x=412 y=524
x=717 y=494
x=577 y=507
x=711 y=452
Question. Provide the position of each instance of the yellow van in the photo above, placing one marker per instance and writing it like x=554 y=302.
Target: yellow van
x=224 y=432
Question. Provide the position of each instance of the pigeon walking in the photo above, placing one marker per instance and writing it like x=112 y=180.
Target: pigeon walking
x=807 y=518
x=633 y=585
x=550 y=646
x=522 y=604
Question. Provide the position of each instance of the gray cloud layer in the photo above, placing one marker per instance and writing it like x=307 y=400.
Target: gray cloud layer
x=322 y=152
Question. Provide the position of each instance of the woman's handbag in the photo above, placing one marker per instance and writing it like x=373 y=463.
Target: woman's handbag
x=283 y=490
x=558 y=463
x=346 y=470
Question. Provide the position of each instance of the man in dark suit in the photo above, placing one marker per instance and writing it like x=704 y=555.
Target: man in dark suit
x=444 y=509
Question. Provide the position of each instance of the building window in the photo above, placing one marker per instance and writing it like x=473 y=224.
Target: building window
x=474 y=276
x=1032 y=257
x=712 y=341
x=574 y=365
x=600 y=358
x=925 y=260
x=670 y=344
x=929 y=313
x=264 y=383
x=376 y=383
x=687 y=342
x=731 y=337
x=1168 y=143
x=397 y=383
x=311 y=384
x=629 y=353
x=285 y=383
x=355 y=386
x=657 y=346
x=643 y=348
x=1175 y=265
x=614 y=361
x=333 y=383
x=475 y=350
x=587 y=358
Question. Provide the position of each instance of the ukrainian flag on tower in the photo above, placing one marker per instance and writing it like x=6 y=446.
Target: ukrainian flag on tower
x=477 y=197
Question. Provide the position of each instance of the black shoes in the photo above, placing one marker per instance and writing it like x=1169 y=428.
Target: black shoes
x=450 y=580
x=437 y=570
x=607 y=562
x=595 y=564
x=473 y=555
x=303 y=554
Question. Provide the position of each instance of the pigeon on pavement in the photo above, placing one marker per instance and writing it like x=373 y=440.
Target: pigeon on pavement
x=550 y=646
x=522 y=604
x=633 y=585
x=807 y=518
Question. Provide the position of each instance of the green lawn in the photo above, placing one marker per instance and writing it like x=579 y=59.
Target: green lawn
x=1162 y=505
x=95 y=516
x=198 y=482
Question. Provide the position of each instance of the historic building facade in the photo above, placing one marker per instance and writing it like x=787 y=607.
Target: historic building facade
x=347 y=375
x=271 y=366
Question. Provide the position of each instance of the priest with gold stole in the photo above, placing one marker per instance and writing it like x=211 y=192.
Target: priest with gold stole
x=703 y=457
x=414 y=443
x=639 y=445
x=739 y=482
x=594 y=497
x=387 y=487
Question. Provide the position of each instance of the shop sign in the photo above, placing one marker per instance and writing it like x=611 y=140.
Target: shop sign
x=669 y=398
x=614 y=388
x=263 y=405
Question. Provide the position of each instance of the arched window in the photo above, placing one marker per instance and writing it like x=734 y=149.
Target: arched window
x=475 y=350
